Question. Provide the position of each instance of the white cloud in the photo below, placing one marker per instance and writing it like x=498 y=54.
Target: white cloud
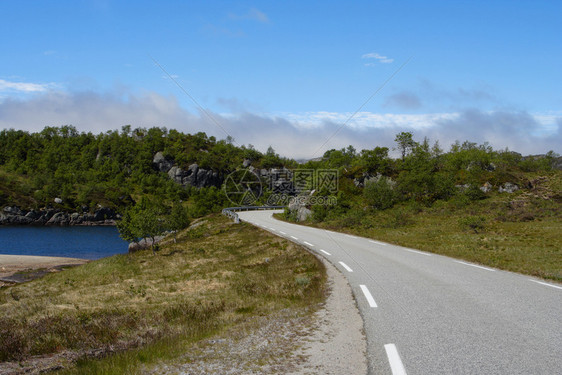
x=298 y=135
x=25 y=87
x=379 y=58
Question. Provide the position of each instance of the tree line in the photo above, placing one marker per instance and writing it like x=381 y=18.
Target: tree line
x=114 y=169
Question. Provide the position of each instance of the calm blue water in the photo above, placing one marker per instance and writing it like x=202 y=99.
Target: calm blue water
x=73 y=242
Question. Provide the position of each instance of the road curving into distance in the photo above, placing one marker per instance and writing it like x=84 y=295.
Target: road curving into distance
x=429 y=314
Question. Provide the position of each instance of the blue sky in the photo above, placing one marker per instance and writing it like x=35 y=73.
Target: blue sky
x=290 y=74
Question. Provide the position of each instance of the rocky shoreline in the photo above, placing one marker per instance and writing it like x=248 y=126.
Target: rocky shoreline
x=12 y=215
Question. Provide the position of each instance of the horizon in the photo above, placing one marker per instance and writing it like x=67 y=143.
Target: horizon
x=299 y=77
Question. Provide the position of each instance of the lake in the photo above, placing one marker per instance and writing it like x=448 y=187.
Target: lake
x=75 y=242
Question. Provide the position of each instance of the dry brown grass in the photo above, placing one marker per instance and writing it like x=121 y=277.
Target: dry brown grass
x=215 y=276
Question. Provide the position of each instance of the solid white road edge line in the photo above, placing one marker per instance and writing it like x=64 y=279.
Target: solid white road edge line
x=325 y=252
x=474 y=265
x=396 y=365
x=308 y=243
x=417 y=252
x=345 y=266
x=378 y=243
x=368 y=295
x=547 y=284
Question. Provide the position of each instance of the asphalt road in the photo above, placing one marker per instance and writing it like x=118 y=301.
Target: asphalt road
x=429 y=314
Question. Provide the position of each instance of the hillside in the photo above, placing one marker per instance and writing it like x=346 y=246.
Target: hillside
x=495 y=207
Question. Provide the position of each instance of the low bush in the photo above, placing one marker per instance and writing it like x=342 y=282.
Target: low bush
x=474 y=223
x=380 y=194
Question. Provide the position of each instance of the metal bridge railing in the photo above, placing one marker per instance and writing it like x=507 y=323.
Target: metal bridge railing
x=231 y=211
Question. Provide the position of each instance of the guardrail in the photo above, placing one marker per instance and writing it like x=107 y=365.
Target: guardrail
x=231 y=211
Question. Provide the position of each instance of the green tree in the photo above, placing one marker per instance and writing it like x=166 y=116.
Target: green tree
x=142 y=221
x=405 y=143
x=178 y=218
x=375 y=160
x=271 y=159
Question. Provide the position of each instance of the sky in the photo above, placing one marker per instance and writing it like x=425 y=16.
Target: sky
x=300 y=76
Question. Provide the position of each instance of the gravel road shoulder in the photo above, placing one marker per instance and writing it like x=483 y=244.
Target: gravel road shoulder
x=338 y=344
x=331 y=341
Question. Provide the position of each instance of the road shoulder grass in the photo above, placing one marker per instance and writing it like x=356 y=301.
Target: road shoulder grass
x=517 y=232
x=123 y=313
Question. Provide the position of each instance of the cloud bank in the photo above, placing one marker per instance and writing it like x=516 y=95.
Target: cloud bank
x=294 y=135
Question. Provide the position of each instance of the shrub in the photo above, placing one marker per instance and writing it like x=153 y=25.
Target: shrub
x=475 y=223
x=380 y=194
x=319 y=212
x=474 y=193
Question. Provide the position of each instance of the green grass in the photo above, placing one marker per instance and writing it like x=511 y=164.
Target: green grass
x=519 y=232
x=148 y=308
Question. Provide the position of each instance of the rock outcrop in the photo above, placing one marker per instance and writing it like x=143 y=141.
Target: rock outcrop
x=508 y=187
x=162 y=163
x=299 y=206
x=12 y=215
x=193 y=176
x=144 y=244
x=486 y=188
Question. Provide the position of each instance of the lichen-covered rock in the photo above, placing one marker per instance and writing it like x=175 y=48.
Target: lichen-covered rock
x=195 y=176
x=162 y=163
x=508 y=187
x=303 y=214
x=60 y=218
x=144 y=244
x=486 y=188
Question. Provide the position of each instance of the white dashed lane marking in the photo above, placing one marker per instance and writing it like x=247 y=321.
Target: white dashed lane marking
x=368 y=295
x=346 y=267
x=396 y=365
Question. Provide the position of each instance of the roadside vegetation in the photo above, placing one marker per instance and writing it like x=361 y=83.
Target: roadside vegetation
x=517 y=233
x=487 y=206
x=139 y=309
